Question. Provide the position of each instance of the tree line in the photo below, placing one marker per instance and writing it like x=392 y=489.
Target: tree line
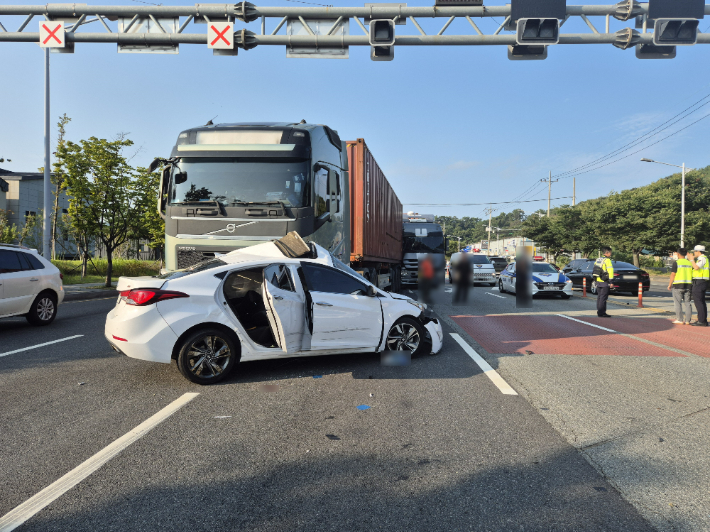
x=472 y=229
x=639 y=220
x=110 y=201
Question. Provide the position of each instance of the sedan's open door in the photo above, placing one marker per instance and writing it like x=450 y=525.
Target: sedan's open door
x=285 y=306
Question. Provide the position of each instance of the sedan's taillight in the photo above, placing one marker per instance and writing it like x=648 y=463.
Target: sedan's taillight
x=645 y=275
x=61 y=276
x=141 y=297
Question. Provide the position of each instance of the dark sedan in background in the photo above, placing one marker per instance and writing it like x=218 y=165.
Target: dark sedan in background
x=626 y=276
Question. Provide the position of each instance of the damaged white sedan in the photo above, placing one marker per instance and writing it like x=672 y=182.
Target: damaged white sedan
x=273 y=300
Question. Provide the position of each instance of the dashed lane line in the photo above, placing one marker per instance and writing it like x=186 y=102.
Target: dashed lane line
x=40 y=345
x=492 y=374
x=495 y=295
x=14 y=518
x=649 y=342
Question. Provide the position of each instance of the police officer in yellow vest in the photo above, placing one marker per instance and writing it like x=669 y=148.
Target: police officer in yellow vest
x=681 y=283
x=701 y=277
x=603 y=272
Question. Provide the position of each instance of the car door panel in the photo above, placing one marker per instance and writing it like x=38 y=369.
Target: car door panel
x=286 y=308
x=343 y=316
x=345 y=321
x=18 y=288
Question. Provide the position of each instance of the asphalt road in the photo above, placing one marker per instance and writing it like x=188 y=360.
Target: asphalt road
x=282 y=446
x=629 y=393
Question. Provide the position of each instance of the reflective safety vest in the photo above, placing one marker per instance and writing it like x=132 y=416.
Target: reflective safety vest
x=704 y=272
x=606 y=266
x=684 y=275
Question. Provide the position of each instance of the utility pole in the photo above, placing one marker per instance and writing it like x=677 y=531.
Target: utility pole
x=489 y=211
x=574 y=191
x=549 y=182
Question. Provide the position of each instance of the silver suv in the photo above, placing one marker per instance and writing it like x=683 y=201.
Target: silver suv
x=30 y=285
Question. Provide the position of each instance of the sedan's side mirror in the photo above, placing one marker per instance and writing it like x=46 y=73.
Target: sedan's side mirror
x=371 y=292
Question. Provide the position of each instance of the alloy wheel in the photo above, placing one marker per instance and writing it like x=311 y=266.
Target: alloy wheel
x=208 y=357
x=403 y=337
x=45 y=309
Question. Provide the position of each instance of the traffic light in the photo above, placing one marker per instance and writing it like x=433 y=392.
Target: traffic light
x=382 y=40
x=674 y=32
x=538 y=31
x=651 y=51
x=527 y=53
x=675 y=22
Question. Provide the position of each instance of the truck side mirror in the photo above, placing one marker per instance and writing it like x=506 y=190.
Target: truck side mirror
x=163 y=191
x=180 y=178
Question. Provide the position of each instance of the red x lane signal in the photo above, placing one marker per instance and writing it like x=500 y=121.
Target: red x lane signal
x=51 y=35
x=220 y=35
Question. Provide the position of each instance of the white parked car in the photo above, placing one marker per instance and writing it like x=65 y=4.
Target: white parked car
x=483 y=269
x=259 y=303
x=30 y=285
x=545 y=279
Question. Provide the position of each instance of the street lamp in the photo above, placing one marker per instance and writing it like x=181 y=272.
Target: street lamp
x=682 y=196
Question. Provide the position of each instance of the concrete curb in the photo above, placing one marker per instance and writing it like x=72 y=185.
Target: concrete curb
x=84 y=295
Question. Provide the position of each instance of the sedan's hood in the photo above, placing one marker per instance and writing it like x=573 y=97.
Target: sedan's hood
x=128 y=283
x=548 y=278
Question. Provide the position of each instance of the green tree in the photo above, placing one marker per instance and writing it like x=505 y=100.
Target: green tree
x=58 y=178
x=8 y=231
x=102 y=189
x=149 y=224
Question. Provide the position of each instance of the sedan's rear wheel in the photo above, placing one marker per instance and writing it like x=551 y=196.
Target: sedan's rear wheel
x=207 y=356
x=407 y=334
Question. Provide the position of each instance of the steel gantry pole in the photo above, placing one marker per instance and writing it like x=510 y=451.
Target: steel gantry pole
x=46 y=215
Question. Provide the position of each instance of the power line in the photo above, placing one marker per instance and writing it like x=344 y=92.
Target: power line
x=642 y=149
x=655 y=131
x=472 y=204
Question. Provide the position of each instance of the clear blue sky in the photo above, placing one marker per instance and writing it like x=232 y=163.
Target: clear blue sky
x=446 y=124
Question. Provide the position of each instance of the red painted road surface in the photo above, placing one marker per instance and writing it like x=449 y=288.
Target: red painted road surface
x=555 y=335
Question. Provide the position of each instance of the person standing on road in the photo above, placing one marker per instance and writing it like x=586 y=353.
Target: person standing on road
x=681 y=283
x=602 y=273
x=701 y=277
x=464 y=274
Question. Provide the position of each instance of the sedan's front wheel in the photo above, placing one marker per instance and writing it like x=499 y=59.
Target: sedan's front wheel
x=407 y=335
x=500 y=286
x=207 y=356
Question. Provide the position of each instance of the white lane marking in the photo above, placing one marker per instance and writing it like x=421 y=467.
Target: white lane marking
x=495 y=295
x=485 y=367
x=40 y=345
x=14 y=518
x=590 y=324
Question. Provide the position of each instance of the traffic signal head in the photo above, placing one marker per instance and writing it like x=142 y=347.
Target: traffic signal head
x=675 y=32
x=537 y=31
x=651 y=51
x=527 y=53
x=382 y=40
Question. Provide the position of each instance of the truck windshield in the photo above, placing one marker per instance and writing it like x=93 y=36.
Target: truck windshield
x=432 y=243
x=240 y=181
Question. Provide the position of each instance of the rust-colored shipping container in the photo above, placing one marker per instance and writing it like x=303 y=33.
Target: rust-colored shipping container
x=375 y=210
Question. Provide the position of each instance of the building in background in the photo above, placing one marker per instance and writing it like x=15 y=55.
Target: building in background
x=4 y=186
x=503 y=247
